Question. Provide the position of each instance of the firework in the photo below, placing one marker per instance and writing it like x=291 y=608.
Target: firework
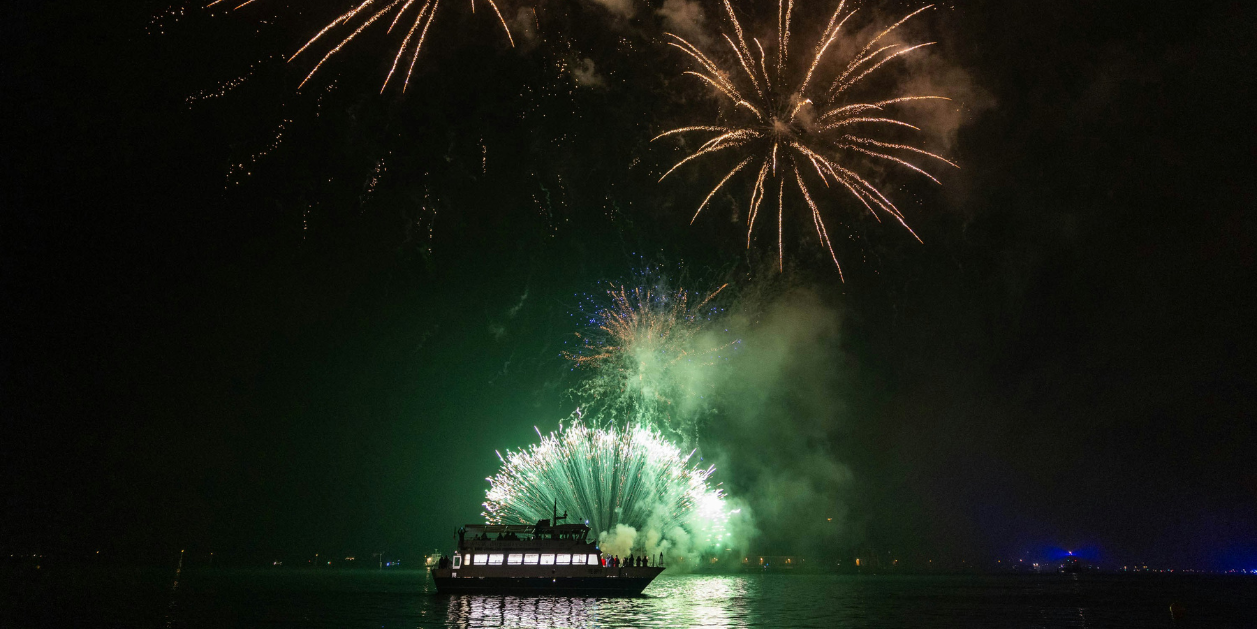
x=609 y=476
x=788 y=127
x=646 y=354
x=362 y=16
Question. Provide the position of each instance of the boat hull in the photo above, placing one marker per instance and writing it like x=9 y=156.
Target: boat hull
x=623 y=582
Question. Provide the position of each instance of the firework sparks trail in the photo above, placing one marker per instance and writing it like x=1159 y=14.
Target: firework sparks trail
x=793 y=134
x=362 y=15
x=609 y=476
x=647 y=354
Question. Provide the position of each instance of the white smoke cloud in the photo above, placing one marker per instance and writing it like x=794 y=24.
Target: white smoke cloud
x=724 y=531
x=619 y=8
x=618 y=542
x=929 y=74
x=926 y=71
x=687 y=19
x=585 y=75
x=524 y=27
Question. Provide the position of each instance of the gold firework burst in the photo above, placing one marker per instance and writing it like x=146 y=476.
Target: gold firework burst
x=788 y=123
x=368 y=13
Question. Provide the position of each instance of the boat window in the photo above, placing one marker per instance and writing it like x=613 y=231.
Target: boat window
x=563 y=559
x=495 y=559
x=514 y=559
x=547 y=560
x=593 y=560
x=530 y=559
x=458 y=561
x=578 y=560
x=481 y=560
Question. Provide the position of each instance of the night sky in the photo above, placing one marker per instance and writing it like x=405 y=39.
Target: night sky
x=322 y=351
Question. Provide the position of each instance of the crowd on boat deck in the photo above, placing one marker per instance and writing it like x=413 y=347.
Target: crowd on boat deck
x=640 y=561
x=501 y=536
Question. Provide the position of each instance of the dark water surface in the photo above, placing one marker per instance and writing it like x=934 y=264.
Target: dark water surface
x=298 y=598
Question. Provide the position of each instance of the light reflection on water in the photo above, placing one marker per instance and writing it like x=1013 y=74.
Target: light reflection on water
x=679 y=601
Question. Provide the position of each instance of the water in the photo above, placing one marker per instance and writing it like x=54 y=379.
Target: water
x=391 y=599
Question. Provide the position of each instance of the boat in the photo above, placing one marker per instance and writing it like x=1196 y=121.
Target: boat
x=546 y=558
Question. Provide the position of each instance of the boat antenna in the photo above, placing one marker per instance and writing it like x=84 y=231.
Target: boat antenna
x=556 y=513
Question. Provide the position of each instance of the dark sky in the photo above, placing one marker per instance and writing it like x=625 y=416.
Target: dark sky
x=295 y=360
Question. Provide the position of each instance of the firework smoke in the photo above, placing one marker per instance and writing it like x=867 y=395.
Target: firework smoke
x=789 y=126
x=788 y=404
x=648 y=352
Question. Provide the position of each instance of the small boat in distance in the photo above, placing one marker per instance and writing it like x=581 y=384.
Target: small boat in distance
x=547 y=558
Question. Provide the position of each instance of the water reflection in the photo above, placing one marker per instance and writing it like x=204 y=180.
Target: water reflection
x=407 y=600
x=481 y=610
x=695 y=601
x=708 y=601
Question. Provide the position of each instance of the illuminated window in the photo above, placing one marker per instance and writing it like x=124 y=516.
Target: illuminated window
x=495 y=559
x=563 y=560
x=593 y=560
x=514 y=559
x=530 y=559
x=578 y=560
x=547 y=560
x=458 y=561
x=481 y=560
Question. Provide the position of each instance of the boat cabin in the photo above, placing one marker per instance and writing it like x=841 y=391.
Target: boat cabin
x=525 y=545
